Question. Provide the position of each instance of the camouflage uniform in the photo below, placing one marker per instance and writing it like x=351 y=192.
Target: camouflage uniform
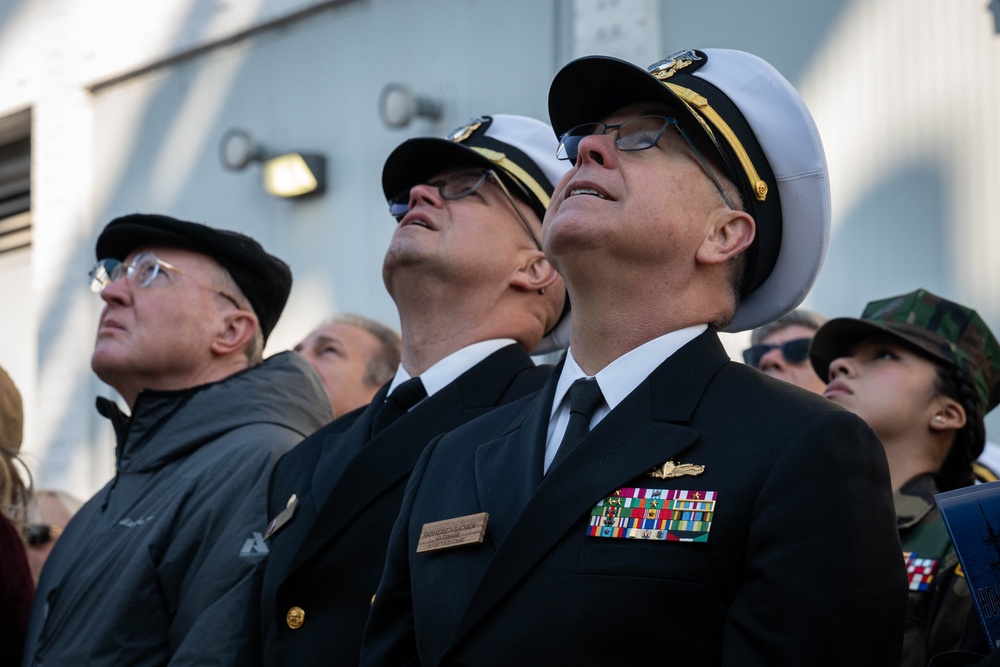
x=939 y=597
x=955 y=337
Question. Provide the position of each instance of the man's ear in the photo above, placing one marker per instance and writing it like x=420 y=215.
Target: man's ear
x=237 y=330
x=730 y=233
x=534 y=274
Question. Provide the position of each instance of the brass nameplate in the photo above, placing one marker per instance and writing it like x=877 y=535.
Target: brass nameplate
x=452 y=533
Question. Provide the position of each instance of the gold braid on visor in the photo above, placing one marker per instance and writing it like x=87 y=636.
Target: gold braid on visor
x=517 y=172
x=700 y=107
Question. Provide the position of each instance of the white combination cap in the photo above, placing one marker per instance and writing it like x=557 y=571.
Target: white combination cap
x=742 y=113
x=522 y=152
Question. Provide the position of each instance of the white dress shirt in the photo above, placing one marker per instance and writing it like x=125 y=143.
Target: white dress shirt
x=616 y=380
x=444 y=372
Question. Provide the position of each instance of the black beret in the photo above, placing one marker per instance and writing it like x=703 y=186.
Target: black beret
x=264 y=279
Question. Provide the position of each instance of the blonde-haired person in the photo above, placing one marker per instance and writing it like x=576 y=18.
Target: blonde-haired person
x=49 y=511
x=16 y=587
x=781 y=349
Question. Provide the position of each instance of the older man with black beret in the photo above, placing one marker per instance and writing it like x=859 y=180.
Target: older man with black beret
x=161 y=566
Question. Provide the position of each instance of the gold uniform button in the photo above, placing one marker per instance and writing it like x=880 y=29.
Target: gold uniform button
x=295 y=618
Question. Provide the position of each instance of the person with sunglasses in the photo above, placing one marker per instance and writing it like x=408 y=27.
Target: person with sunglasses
x=48 y=513
x=475 y=295
x=162 y=564
x=781 y=349
x=657 y=502
x=922 y=371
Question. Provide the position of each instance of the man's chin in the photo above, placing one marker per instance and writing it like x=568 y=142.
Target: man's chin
x=105 y=360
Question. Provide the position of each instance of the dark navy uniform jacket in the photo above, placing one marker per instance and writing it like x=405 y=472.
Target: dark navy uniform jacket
x=325 y=562
x=800 y=564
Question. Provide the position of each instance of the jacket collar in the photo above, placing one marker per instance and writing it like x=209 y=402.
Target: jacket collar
x=914 y=500
x=282 y=390
x=362 y=468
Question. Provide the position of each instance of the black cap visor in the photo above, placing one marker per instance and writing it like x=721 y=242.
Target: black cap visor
x=416 y=161
x=835 y=339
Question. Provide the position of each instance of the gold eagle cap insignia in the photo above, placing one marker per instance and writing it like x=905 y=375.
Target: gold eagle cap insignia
x=671 y=469
x=461 y=134
x=666 y=68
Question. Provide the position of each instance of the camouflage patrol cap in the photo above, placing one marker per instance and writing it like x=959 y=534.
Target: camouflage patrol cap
x=946 y=331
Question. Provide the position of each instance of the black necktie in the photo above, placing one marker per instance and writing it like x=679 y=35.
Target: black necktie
x=402 y=398
x=584 y=398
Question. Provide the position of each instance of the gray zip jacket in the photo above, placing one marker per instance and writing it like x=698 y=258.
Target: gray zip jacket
x=162 y=566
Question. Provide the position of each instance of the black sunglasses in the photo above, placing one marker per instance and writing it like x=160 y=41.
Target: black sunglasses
x=794 y=351
x=40 y=534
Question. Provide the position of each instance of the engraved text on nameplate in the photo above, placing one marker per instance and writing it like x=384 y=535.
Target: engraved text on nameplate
x=451 y=533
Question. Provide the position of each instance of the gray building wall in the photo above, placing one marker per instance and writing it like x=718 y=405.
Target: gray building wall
x=131 y=100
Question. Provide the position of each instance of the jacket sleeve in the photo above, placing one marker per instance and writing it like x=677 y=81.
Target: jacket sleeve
x=390 y=640
x=211 y=572
x=823 y=537
x=16 y=591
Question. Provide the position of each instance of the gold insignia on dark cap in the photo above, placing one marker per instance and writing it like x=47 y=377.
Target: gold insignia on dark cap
x=464 y=132
x=664 y=69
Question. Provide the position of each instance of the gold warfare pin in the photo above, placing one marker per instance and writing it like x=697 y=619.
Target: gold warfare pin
x=670 y=469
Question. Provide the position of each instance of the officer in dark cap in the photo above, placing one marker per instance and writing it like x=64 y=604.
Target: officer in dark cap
x=160 y=566
x=656 y=502
x=922 y=371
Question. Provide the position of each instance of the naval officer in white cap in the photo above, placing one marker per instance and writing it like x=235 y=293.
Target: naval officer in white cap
x=657 y=502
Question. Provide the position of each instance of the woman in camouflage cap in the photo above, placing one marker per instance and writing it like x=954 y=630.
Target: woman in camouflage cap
x=922 y=371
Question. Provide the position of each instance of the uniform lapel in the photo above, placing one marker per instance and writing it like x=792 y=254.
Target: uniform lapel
x=284 y=543
x=645 y=430
x=389 y=457
x=339 y=448
x=521 y=449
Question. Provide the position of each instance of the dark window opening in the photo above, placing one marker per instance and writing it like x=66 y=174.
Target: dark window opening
x=15 y=181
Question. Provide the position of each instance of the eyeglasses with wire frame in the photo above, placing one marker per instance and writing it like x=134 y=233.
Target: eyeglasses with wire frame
x=141 y=272
x=635 y=134
x=458 y=185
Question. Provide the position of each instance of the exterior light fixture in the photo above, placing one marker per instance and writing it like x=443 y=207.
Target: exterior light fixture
x=286 y=175
x=398 y=106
